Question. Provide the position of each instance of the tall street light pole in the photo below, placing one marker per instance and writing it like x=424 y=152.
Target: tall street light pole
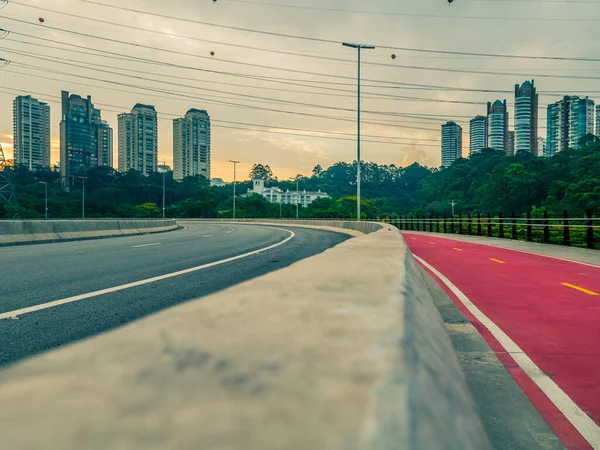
x=358 y=47
x=235 y=163
x=46 y=199
x=297 y=195
x=164 y=187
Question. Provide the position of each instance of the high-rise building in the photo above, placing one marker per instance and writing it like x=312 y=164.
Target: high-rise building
x=542 y=149
x=31 y=131
x=526 y=117
x=191 y=145
x=511 y=143
x=477 y=134
x=138 y=139
x=105 y=144
x=598 y=120
x=568 y=120
x=497 y=120
x=85 y=140
x=451 y=143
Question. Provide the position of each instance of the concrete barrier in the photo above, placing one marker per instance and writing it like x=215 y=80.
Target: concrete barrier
x=360 y=227
x=344 y=350
x=15 y=232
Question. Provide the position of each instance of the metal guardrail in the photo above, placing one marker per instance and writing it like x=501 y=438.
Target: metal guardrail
x=565 y=230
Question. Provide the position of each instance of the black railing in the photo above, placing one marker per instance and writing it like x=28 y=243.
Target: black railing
x=565 y=230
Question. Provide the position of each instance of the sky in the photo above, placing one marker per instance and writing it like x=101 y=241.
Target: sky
x=288 y=102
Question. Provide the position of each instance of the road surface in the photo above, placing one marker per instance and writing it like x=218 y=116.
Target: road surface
x=541 y=315
x=55 y=294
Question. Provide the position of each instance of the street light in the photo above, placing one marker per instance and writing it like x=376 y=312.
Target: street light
x=46 y=202
x=164 y=184
x=235 y=163
x=358 y=47
x=297 y=195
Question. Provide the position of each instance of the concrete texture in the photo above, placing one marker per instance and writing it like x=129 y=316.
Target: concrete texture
x=354 y=228
x=16 y=232
x=343 y=350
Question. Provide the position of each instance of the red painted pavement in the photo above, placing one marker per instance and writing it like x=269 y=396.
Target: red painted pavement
x=558 y=327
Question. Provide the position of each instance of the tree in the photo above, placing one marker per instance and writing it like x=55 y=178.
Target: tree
x=317 y=171
x=263 y=172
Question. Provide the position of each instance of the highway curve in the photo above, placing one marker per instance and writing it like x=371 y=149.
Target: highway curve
x=84 y=288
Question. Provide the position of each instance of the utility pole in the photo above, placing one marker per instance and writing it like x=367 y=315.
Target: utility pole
x=358 y=47
x=453 y=203
x=46 y=199
x=235 y=163
x=164 y=187
x=297 y=194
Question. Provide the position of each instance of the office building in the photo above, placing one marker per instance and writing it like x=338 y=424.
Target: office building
x=85 y=140
x=598 y=120
x=451 y=143
x=568 y=120
x=526 y=117
x=31 y=132
x=497 y=120
x=138 y=139
x=511 y=143
x=477 y=134
x=191 y=145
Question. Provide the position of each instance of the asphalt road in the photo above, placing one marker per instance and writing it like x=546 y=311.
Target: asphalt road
x=37 y=275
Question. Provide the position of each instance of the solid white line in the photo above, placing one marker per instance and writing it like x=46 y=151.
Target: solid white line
x=146 y=245
x=20 y=312
x=579 y=419
x=208 y=235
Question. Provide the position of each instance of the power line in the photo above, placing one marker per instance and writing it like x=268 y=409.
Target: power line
x=444 y=52
x=435 y=69
x=243 y=126
x=178 y=96
x=434 y=16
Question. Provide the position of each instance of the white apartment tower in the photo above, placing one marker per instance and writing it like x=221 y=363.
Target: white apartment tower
x=138 y=139
x=31 y=131
x=191 y=145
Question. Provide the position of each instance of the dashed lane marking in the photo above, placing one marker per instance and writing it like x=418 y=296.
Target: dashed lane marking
x=580 y=289
x=499 y=261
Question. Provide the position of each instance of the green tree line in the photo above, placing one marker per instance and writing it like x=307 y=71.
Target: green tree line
x=489 y=181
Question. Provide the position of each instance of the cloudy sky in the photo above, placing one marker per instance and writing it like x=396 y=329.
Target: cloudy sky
x=291 y=102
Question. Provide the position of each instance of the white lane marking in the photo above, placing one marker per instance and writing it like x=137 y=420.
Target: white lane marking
x=579 y=419
x=208 y=235
x=20 y=312
x=146 y=245
x=228 y=232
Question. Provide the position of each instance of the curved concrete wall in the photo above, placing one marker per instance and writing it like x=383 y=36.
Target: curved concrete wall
x=344 y=350
x=14 y=232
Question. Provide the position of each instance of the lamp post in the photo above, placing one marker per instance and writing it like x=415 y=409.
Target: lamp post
x=46 y=199
x=297 y=195
x=235 y=163
x=164 y=187
x=358 y=47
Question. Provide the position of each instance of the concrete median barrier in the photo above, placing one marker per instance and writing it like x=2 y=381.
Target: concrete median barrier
x=16 y=232
x=344 y=350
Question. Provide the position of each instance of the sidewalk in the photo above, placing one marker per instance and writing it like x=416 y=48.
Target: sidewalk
x=571 y=253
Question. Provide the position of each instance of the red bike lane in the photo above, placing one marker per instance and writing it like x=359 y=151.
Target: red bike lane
x=549 y=308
